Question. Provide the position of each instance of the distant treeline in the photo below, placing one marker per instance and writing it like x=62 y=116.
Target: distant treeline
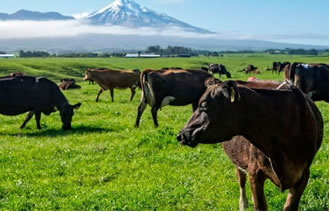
x=33 y=54
x=173 y=51
x=297 y=51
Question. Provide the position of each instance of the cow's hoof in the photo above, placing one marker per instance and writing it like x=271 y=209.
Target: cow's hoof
x=136 y=126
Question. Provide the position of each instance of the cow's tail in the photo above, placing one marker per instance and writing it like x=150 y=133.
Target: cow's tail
x=148 y=93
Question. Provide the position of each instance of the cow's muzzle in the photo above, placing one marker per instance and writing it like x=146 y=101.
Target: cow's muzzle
x=186 y=138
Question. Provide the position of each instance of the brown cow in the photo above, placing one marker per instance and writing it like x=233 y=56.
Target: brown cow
x=170 y=87
x=250 y=69
x=173 y=68
x=312 y=79
x=245 y=155
x=284 y=125
x=68 y=84
x=111 y=79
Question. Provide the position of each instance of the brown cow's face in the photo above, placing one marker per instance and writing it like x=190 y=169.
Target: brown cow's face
x=213 y=121
x=87 y=75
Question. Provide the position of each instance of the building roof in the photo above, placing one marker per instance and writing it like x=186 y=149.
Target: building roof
x=7 y=55
x=142 y=55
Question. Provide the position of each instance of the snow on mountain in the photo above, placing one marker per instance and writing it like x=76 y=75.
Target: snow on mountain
x=131 y=14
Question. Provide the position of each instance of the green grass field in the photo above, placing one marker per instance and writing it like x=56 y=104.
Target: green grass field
x=107 y=164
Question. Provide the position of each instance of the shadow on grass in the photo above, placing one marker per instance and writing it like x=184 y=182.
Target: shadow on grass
x=78 y=130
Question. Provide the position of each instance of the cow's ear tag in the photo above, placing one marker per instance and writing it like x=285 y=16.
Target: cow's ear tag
x=232 y=95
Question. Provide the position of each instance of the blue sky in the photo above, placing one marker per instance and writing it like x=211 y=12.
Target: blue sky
x=293 y=21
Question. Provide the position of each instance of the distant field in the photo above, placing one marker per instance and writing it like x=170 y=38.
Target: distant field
x=107 y=164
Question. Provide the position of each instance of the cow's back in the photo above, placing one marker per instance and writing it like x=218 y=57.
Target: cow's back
x=186 y=86
x=115 y=79
x=313 y=78
x=22 y=94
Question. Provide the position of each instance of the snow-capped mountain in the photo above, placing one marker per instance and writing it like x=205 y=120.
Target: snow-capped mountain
x=131 y=14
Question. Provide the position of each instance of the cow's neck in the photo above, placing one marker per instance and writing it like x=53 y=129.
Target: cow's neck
x=59 y=100
x=99 y=78
x=268 y=130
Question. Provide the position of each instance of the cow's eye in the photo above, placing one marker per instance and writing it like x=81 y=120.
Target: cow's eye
x=203 y=106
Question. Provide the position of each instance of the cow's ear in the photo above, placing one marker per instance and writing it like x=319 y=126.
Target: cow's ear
x=211 y=81
x=232 y=90
x=76 y=106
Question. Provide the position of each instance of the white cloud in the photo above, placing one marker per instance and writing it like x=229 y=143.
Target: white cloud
x=41 y=29
x=81 y=15
x=72 y=28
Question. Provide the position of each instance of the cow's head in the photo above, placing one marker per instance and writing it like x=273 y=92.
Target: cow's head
x=87 y=75
x=66 y=113
x=215 y=120
x=214 y=68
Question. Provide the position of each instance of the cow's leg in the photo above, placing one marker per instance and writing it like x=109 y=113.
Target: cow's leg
x=98 y=94
x=111 y=94
x=132 y=93
x=243 y=201
x=295 y=193
x=27 y=119
x=154 y=111
x=257 y=180
x=194 y=106
x=37 y=117
x=141 y=109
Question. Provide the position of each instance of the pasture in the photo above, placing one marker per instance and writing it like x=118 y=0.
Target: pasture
x=107 y=164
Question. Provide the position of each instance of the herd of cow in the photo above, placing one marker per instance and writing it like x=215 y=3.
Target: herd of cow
x=272 y=129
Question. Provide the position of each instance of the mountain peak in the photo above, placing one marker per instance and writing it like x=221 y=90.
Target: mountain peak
x=131 y=14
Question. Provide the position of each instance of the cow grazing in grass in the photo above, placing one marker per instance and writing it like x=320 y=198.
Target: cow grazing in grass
x=219 y=69
x=67 y=84
x=250 y=69
x=284 y=126
x=170 y=87
x=111 y=79
x=312 y=79
x=34 y=95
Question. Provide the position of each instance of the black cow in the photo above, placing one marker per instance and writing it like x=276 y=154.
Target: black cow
x=220 y=69
x=34 y=95
x=170 y=87
x=312 y=79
